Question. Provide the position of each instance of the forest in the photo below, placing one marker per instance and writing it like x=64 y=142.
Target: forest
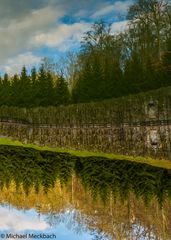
x=98 y=175
x=107 y=65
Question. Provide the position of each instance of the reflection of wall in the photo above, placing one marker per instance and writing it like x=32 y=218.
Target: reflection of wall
x=134 y=140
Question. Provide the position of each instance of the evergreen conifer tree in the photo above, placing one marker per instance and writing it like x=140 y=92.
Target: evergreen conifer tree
x=62 y=95
x=34 y=87
x=5 y=94
x=15 y=99
x=45 y=88
x=24 y=89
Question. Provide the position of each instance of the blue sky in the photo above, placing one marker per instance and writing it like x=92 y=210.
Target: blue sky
x=65 y=225
x=31 y=30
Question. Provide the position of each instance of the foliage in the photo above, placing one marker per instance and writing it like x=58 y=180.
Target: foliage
x=130 y=109
x=136 y=60
x=39 y=89
x=29 y=167
x=150 y=161
x=107 y=66
x=102 y=177
x=62 y=94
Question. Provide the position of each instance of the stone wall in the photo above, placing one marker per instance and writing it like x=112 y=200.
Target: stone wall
x=135 y=125
x=140 y=108
x=129 y=140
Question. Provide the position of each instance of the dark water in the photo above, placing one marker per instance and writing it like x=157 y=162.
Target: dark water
x=46 y=195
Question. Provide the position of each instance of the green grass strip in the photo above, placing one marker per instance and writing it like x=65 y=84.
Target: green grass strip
x=162 y=163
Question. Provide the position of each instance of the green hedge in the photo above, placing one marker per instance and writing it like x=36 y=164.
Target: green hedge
x=133 y=108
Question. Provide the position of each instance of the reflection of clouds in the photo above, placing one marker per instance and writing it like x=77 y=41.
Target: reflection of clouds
x=19 y=221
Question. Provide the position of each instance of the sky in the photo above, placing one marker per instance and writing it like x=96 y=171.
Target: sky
x=33 y=29
x=16 y=221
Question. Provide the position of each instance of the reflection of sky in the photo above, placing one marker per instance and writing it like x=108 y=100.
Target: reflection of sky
x=18 y=221
x=14 y=220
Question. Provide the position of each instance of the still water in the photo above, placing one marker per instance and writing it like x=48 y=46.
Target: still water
x=46 y=195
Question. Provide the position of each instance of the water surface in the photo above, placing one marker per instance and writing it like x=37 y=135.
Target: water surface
x=59 y=196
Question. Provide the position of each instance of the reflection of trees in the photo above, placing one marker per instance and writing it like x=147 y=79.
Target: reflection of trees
x=130 y=201
x=28 y=167
x=130 y=219
x=72 y=219
x=102 y=176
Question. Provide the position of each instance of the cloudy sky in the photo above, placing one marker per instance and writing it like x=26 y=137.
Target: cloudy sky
x=15 y=221
x=28 y=222
x=33 y=29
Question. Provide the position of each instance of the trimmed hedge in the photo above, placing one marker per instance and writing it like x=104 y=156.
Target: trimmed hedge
x=134 y=108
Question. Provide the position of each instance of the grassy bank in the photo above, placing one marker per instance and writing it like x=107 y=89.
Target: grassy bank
x=153 y=162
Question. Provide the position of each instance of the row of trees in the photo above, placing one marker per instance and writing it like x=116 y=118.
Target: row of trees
x=107 y=66
x=40 y=88
x=138 y=59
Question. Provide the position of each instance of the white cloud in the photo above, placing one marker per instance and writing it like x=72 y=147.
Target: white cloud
x=63 y=37
x=37 y=19
x=17 y=221
x=29 y=25
x=81 y=13
x=103 y=11
x=15 y=37
x=118 y=7
x=119 y=26
x=14 y=65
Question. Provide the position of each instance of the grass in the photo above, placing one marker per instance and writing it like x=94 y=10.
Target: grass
x=162 y=163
